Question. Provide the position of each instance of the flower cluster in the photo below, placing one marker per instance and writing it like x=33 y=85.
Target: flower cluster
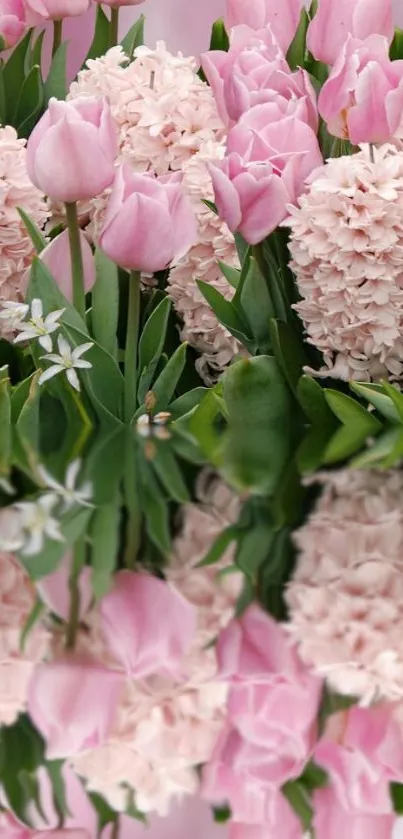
x=16 y=190
x=345 y=595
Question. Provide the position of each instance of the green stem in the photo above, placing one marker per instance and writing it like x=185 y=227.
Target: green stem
x=132 y=336
x=77 y=270
x=74 y=616
x=57 y=35
x=132 y=502
x=114 y=27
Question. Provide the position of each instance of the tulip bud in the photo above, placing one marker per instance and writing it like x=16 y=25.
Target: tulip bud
x=149 y=222
x=283 y=18
x=12 y=22
x=57 y=258
x=39 y=10
x=335 y=21
x=72 y=150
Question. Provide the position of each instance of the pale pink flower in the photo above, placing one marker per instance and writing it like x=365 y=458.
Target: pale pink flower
x=331 y=821
x=346 y=242
x=345 y=598
x=16 y=190
x=17 y=599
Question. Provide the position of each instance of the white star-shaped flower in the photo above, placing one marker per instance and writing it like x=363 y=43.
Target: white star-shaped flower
x=11 y=529
x=38 y=326
x=69 y=492
x=38 y=523
x=13 y=313
x=67 y=361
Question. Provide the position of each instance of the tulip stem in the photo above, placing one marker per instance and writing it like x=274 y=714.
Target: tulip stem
x=114 y=27
x=77 y=270
x=371 y=153
x=74 y=616
x=132 y=335
x=57 y=35
x=133 y=526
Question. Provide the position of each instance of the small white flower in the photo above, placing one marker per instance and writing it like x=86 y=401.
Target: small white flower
x=7 y=487
x=38 y=326
x=13 y=313
x=66 y=362
x=148 y=426
x=69 y=492
x=38 y=522
x=11 y=529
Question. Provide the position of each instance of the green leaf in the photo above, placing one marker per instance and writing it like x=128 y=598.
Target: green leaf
x=43 y=285
x=14 y=76
x=5 y=426
x=396 y=791
x=314 y=777
x=241 y=246
x=187 y=403
x=169 y=473
x=257 y=441
x=27 y=426
x=156 y=511
x=30 y=102
x=104 y=465
x=56 y=81
x=375 y=395
x=105 y=813
x=105 y=546
x=54 y=769
x=219 y=37
x=231 y=274
x=36 y=51
x=134 y=37
x=21 y=753
x=296 y=51
x=219 y=546
x=165 y=385
x=289 y=352
x=396 y=47
x=297 y=796
x=100 y=42
x=37 y=238
x=396 y=398
x=105 y=303
x=311 y=397
x=384 y=453
x=254 y=548
x=358 y=425
x=226 y=313
x=72 y=526
x=312 y=448
x=257 y=306
x=33 y=617
x=151 y=345
x=202 y=424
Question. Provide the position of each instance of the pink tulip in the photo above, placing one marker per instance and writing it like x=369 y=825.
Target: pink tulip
x=254 y=71
x=149 y=222
x=39 y=10
x=335 y=21
x=287 y=828
x=11 y=828
x=58 y=158
x=57 y=258
x=269 y=158
x=12 y=22
x=282 y=18
x=129 y=618
x=362 y=750
x=116 y=4
x=54 y=590
x=72 y=701
x=333 y=822
x=363 y=98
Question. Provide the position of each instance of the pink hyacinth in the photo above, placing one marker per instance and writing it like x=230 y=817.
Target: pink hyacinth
x=346 y=239
x=254 y=71
x=17 y=599
x=345 y=598
x=16 y=190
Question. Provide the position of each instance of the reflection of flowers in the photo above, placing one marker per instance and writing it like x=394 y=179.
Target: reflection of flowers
x=37 y=522
x=68 y=492
x=12 y=314
x=67 y=361
x=38 y=326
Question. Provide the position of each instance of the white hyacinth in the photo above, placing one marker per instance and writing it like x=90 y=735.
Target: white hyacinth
x=67 y=361
x=69 y=492
x=38 y=326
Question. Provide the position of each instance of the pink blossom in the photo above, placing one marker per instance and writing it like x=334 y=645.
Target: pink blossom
x=254 y=71
x=54 y=590
x=362 y=750
x=39 y=10
x=72 y=701
x=117 y=4
x=334 y=22
x=269 y=157
x=285 y=824
x=258 y=14
x=57 y=258
x=17 y=599
x=362 y=99
x=142 y=644
x=331 y=821
x=345 y=596
x=12 y=22
x=16 y=190
x=345 y=243
x=148 y=222
x=79 y=125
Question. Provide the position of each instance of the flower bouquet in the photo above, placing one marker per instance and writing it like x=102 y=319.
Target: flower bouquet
x=201 y=360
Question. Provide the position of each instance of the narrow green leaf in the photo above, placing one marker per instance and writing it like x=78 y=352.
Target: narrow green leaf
x=134 y=37
x=351 y=413
x=165 y=385
x=104 y=464
x=383 y=452
x=33 y=617
x=106 y=815
x=37 y=238
x=345 y=443
x=187 y=402
x=27 y=426
x=396 y=791
x=254 y=548
x=5 y=426
x=156 y=512
x=56 y=81
x=289 y=352
x=257 y=306
x=375 y=395
x=100 y=42
x=226 y=313
x=296 y=51
x=154 y=333
x=105 y=303
x=296 y=795
x=30 y=102
x=54 y=769
x=311 y=397
x=312 y=448
x=36 y=51
x=219 y=37
x=202 y=425
x=14 y=76
x=167 y=469
x=396 y=398
x=231 y=274
x=219 y=546
x=105 y=546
